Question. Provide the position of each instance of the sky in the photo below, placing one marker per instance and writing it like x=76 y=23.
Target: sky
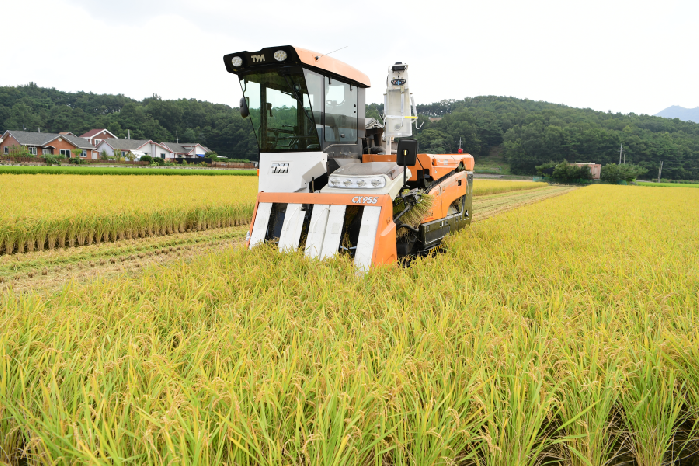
x=610 y=55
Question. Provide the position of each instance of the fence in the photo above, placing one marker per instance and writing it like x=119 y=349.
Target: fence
x=233 y=165
x=40 y=160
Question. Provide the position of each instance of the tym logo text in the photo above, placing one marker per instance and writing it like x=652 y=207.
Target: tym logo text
x=257 y=58
x=280 y=167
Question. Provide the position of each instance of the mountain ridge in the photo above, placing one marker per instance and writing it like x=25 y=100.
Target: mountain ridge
x=683 y=113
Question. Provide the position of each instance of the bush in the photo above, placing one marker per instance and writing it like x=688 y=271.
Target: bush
x=146 y=158
x=19 y=151
x=546 y=170
x=77 y=161
x=236 y=160
x=564 y=172
x=51 y=160
x=614 y=173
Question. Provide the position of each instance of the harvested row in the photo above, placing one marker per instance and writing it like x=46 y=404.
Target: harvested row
x=485 y=187
x=493 y=204
x=564 y=329
x=45 y=212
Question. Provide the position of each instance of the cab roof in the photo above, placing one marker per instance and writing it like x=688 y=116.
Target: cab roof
x=265 y=58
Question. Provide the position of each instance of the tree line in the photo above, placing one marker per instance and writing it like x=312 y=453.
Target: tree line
x=216 y=126
x=530 y=133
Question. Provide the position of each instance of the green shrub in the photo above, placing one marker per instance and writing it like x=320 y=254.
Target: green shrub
x=615 y=173
x=52 y=160
x=146 y=158
x=236 y=160
x=564 y=172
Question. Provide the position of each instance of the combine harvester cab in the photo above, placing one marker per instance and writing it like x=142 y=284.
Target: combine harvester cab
x=329 y=179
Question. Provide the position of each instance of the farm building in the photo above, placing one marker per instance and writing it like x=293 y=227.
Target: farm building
x=46 y=144
x=595 y=169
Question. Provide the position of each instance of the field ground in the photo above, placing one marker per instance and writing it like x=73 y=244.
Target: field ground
x=562 y=329
x=87 y=170
x=50 y=270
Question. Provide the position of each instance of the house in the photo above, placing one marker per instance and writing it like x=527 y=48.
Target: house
x=137 y=147
x=186 y=149
x=97 y=135
x=595 y=169
x=46 y=144
x=197 y=149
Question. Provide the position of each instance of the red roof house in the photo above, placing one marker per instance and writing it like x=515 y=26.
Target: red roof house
x=97 y=135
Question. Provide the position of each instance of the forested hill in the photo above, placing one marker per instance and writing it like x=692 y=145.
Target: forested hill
x=535 y=132
x=529 y=132
x=219 y=127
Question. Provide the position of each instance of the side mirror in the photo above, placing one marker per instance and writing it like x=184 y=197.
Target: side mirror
x=406 y=154
x=244 y=110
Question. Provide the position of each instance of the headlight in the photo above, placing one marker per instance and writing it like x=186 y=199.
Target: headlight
x=280 y=55
x=236 y=61
x=357 y=182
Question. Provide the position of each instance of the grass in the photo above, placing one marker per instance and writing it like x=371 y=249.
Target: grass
x=668 y=185
x=493 y=163
x=566 y=327
x=45 y=212
x=78 y=170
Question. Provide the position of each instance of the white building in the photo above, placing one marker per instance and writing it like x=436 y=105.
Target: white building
x=138 y=147
x=181 y=149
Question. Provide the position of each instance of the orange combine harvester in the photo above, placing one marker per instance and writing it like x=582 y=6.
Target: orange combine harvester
x=333 y=181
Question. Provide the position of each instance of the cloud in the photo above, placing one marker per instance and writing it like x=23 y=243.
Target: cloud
x=627 y=56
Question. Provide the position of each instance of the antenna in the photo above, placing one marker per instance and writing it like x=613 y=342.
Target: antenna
x=324 y=54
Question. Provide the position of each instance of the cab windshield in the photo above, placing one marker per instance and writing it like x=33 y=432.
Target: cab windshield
x=281 y=110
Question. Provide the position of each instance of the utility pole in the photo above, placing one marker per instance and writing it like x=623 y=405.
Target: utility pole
x=621 y=150
x=660 y=170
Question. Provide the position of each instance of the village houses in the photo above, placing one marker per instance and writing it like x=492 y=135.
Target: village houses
x=94 y=144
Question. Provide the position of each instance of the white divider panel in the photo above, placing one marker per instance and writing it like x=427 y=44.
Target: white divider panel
x=367 y=237
x=291 y=229
x=259 y=228
x=333 y=230
x=316 y=230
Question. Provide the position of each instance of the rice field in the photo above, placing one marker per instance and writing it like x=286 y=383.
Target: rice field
x=563 y=332
x=77 y=170
x=485 y=187
x=46 y=212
